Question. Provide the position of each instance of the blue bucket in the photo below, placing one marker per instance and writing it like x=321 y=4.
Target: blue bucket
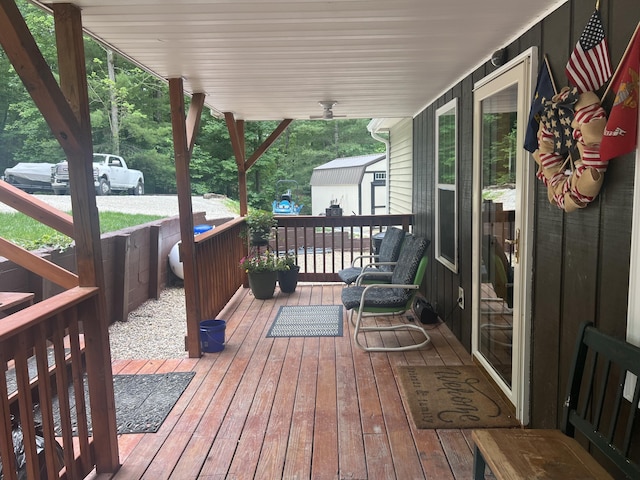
x=212 y=335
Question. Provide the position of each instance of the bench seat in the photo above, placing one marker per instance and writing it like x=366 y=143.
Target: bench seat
x=518 y=453
x=599 y=406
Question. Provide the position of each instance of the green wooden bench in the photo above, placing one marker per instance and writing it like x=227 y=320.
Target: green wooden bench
x=596 y=415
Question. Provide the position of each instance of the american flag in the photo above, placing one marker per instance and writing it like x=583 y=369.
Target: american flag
x=589 y=66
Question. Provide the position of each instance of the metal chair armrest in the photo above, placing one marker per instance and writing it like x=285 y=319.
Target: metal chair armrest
x=378 y=264
x=361 y=258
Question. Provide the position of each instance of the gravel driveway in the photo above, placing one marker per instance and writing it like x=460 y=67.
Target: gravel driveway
x=166 y=205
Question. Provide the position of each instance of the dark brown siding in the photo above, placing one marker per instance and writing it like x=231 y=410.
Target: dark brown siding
x=581 y=260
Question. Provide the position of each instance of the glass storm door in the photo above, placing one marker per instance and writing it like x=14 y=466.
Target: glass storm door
x=501 y=221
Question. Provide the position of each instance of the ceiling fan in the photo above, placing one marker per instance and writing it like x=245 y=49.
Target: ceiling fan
x=327 y=112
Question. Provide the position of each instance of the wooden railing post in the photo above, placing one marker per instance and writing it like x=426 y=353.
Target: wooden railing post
x=73 y=82
x=154 y=262
x=183 y=181
x=65 y=109
x=121 y=277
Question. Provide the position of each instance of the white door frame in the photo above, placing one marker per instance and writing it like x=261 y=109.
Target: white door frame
x=519 y=394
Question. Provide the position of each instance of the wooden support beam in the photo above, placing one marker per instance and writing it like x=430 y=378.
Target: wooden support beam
x=237 y=140
x=37 y=265
x=243 y=195
x=185 y=209
x=23 y=52
x=36 y=209
x=73 y=86
x=236 y=133
x=267 y=143
x=193 y=119
x=65 y=108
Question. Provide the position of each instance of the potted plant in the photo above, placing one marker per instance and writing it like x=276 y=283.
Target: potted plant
x=334 y=209
x=287 y=272
x=261 y=268
x=260 y=225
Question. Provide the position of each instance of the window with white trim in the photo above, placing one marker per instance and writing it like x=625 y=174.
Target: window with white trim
x=446 y=201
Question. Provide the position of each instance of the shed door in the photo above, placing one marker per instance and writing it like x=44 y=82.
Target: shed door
x=502 y=211
x=378 y=197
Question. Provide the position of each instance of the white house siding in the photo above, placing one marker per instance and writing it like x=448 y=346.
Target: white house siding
x=401 y=167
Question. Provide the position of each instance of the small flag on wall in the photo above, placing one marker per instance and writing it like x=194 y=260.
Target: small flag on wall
x=544 y=91
x=589 y=66
x=621 y=132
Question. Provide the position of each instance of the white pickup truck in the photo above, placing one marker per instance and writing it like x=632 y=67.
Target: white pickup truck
x=110 y=174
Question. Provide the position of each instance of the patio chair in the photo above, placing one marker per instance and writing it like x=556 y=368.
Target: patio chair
x=380 y=265
x=392 y=298
x=499 y=273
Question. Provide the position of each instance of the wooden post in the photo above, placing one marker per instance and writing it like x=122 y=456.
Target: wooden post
x=185 y=208
x=73 y=82
x=155 y=272
x=236 y=133
x=65 y=109
x=193 y=119
x=121 y=277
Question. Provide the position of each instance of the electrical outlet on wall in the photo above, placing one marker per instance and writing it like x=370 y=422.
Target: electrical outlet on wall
x=461 y=297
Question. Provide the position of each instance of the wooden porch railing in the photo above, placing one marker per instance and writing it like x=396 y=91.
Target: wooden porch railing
x=217 y=254
x=325 y=244
x=49 y=329
x=29 y=340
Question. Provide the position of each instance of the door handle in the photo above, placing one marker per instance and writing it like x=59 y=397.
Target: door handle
x=515 y=243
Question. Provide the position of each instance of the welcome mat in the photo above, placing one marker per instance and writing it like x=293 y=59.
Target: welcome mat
x=307 y=321
x=142 y=401
x=452 y=397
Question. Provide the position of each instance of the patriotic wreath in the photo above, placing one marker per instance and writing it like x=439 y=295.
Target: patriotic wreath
x=571 y=123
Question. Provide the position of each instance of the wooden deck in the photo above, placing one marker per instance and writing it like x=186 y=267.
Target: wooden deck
x=295 y=408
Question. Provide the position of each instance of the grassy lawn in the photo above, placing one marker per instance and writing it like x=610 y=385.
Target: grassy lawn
x=30 y=234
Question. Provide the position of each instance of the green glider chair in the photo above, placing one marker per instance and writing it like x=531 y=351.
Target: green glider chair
x=392 y=298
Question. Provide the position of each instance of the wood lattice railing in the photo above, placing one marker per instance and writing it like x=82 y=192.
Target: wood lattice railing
x=44 y=341
x=217 y=254
x=325 y=244
x=42 y=353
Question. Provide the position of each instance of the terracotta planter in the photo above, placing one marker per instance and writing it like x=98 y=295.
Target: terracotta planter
x=288 y=279
x=263 y=284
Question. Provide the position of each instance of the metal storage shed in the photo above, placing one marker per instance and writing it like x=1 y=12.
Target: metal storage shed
x=358 y=184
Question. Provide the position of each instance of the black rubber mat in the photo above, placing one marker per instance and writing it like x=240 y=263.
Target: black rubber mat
x=142 y=401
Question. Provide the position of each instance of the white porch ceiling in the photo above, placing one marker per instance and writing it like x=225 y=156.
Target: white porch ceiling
x=275 y=59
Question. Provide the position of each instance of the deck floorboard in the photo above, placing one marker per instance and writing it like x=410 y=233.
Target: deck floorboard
x=295 y=408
